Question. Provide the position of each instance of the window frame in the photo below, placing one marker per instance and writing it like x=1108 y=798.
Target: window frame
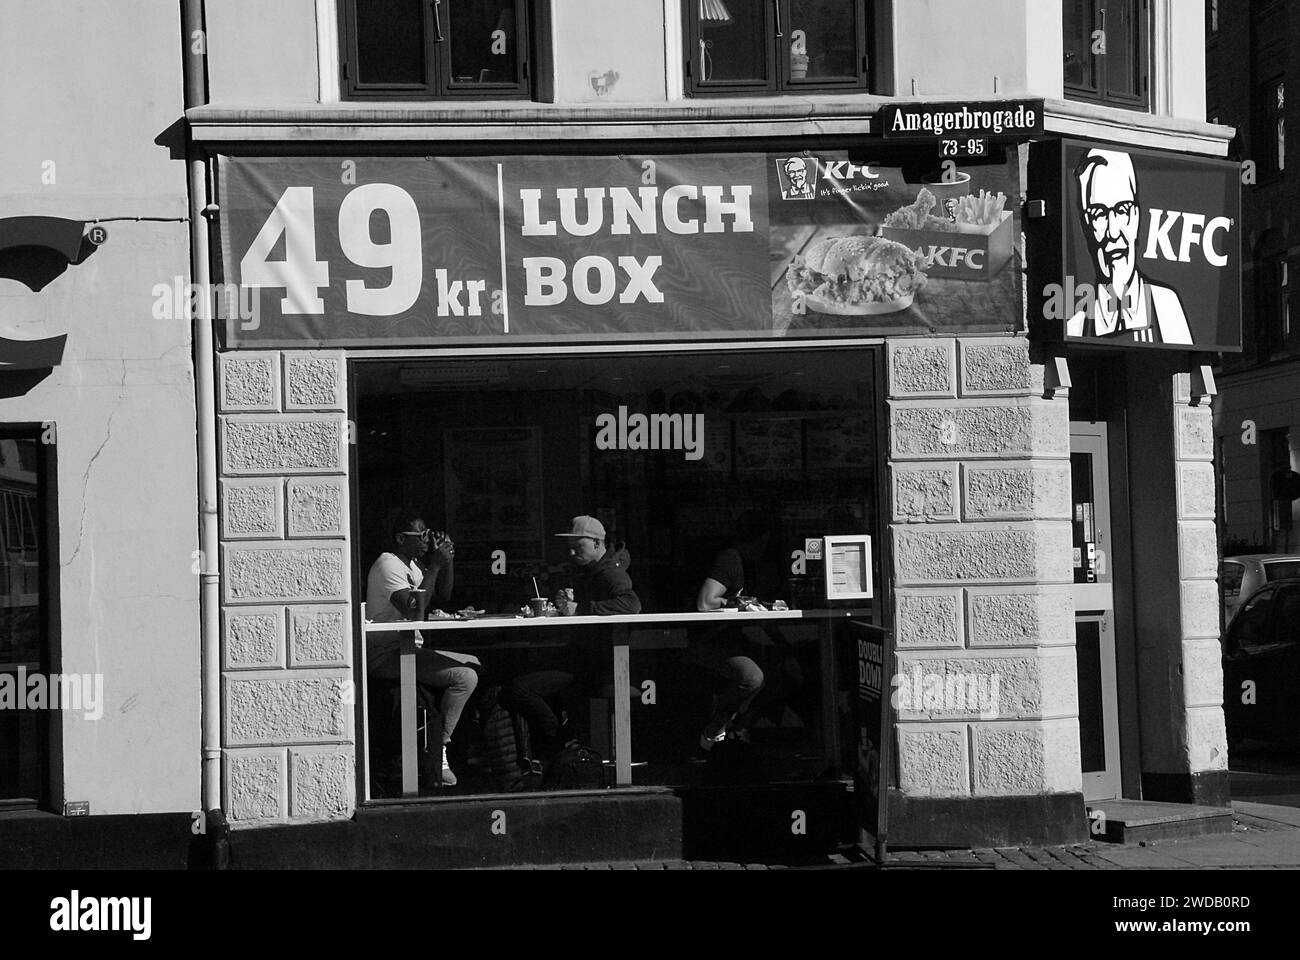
x=1274 y=337
x=438 y=83
x=778 y=82
x=1268 y=115
x=1100 y=92
x=49 y=739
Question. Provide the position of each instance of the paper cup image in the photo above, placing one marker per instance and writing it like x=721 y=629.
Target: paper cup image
x=946 y=191
x=538 y=606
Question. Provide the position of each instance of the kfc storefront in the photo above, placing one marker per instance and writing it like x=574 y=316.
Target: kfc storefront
x=1135 y=280
x=830 y=337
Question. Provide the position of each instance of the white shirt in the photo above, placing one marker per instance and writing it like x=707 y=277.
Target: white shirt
x=388 y=574
x=1151 y=313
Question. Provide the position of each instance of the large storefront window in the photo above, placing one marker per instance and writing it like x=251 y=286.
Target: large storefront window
x=677 y=456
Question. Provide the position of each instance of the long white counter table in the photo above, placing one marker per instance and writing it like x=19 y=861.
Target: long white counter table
x=622 y=631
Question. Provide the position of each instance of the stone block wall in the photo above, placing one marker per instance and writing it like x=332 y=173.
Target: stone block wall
x=286 y=635
x=986 y=691
x=1201 y=666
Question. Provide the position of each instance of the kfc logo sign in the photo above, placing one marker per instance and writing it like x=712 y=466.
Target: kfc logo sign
x=798 y=178
x=1139 y=266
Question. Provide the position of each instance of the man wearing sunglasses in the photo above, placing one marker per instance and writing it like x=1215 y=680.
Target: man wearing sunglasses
x=402 y=585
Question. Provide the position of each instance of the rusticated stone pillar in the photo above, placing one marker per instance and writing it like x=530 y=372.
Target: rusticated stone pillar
x=986 y=692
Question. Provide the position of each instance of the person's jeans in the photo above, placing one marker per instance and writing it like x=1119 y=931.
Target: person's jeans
x=528 y=696
x=740 y=676
x=456 y=680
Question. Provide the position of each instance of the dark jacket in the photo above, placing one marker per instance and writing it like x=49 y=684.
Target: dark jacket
x=604 y=588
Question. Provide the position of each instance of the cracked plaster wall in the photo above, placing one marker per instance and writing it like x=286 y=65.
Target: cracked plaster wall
x=120 y=405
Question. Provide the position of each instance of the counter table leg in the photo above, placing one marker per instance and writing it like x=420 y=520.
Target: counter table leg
x=410 y=762
x=829 y=695
x=622 y=712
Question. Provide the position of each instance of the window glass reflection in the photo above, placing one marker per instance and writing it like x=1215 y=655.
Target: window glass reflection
x=821 y=40
x=481 y=36
x=390 y=41
x=733 y=40
x=1079 y=62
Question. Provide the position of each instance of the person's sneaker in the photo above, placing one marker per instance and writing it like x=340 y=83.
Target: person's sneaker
x=707 y=742
x=448 y=778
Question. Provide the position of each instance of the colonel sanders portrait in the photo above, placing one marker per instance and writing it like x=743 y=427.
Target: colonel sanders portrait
x=1127 y=305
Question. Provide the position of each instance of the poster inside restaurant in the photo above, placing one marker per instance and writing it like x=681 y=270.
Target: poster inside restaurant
x=436 y=250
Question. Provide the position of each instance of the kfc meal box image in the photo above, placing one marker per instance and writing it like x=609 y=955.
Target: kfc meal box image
x=976 y=246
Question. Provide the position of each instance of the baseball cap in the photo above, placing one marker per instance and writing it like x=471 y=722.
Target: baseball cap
x=586 y=527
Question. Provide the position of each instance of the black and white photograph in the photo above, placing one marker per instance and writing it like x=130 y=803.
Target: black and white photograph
x=827 y=453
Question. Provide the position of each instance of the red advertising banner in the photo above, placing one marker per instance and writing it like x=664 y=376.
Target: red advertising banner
x=436 y=250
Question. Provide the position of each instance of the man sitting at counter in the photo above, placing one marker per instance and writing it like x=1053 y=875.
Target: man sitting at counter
x=402 y=587
x=721 y=653
x=601 y=587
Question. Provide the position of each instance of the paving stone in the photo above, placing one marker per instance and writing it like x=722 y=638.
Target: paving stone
x=1020 y=858
x=1040 y=855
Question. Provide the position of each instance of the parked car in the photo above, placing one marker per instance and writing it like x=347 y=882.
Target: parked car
x=1261 y=666
x=1241 y=576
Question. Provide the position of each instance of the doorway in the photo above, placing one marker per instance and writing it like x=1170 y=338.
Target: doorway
x=1094 y=611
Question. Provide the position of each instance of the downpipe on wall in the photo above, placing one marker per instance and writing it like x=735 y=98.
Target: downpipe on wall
x=194 y=47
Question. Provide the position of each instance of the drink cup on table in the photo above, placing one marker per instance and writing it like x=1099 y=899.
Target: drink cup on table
x=538 y=606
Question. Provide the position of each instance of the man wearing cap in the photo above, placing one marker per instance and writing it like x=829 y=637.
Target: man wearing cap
x=601 y=587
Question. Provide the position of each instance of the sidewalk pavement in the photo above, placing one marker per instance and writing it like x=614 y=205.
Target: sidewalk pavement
x=1264 y=837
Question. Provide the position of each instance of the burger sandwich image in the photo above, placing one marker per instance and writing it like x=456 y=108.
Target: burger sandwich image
x=856 y=276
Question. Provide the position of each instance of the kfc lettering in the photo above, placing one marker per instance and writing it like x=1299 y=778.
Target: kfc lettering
x=1195 y=232
x=952 y=257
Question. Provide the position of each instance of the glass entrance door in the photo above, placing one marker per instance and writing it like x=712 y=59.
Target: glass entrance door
x=1094 y=612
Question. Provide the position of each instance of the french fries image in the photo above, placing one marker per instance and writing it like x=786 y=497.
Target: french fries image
x=983 y=211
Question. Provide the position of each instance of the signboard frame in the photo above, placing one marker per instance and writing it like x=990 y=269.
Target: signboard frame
x=1056 y=293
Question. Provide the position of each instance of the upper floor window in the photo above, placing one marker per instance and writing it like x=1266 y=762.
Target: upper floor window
x=1273 y=333
x=434 y=49
x=1270 y=129
x=775 y=46
x=1107 y=52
